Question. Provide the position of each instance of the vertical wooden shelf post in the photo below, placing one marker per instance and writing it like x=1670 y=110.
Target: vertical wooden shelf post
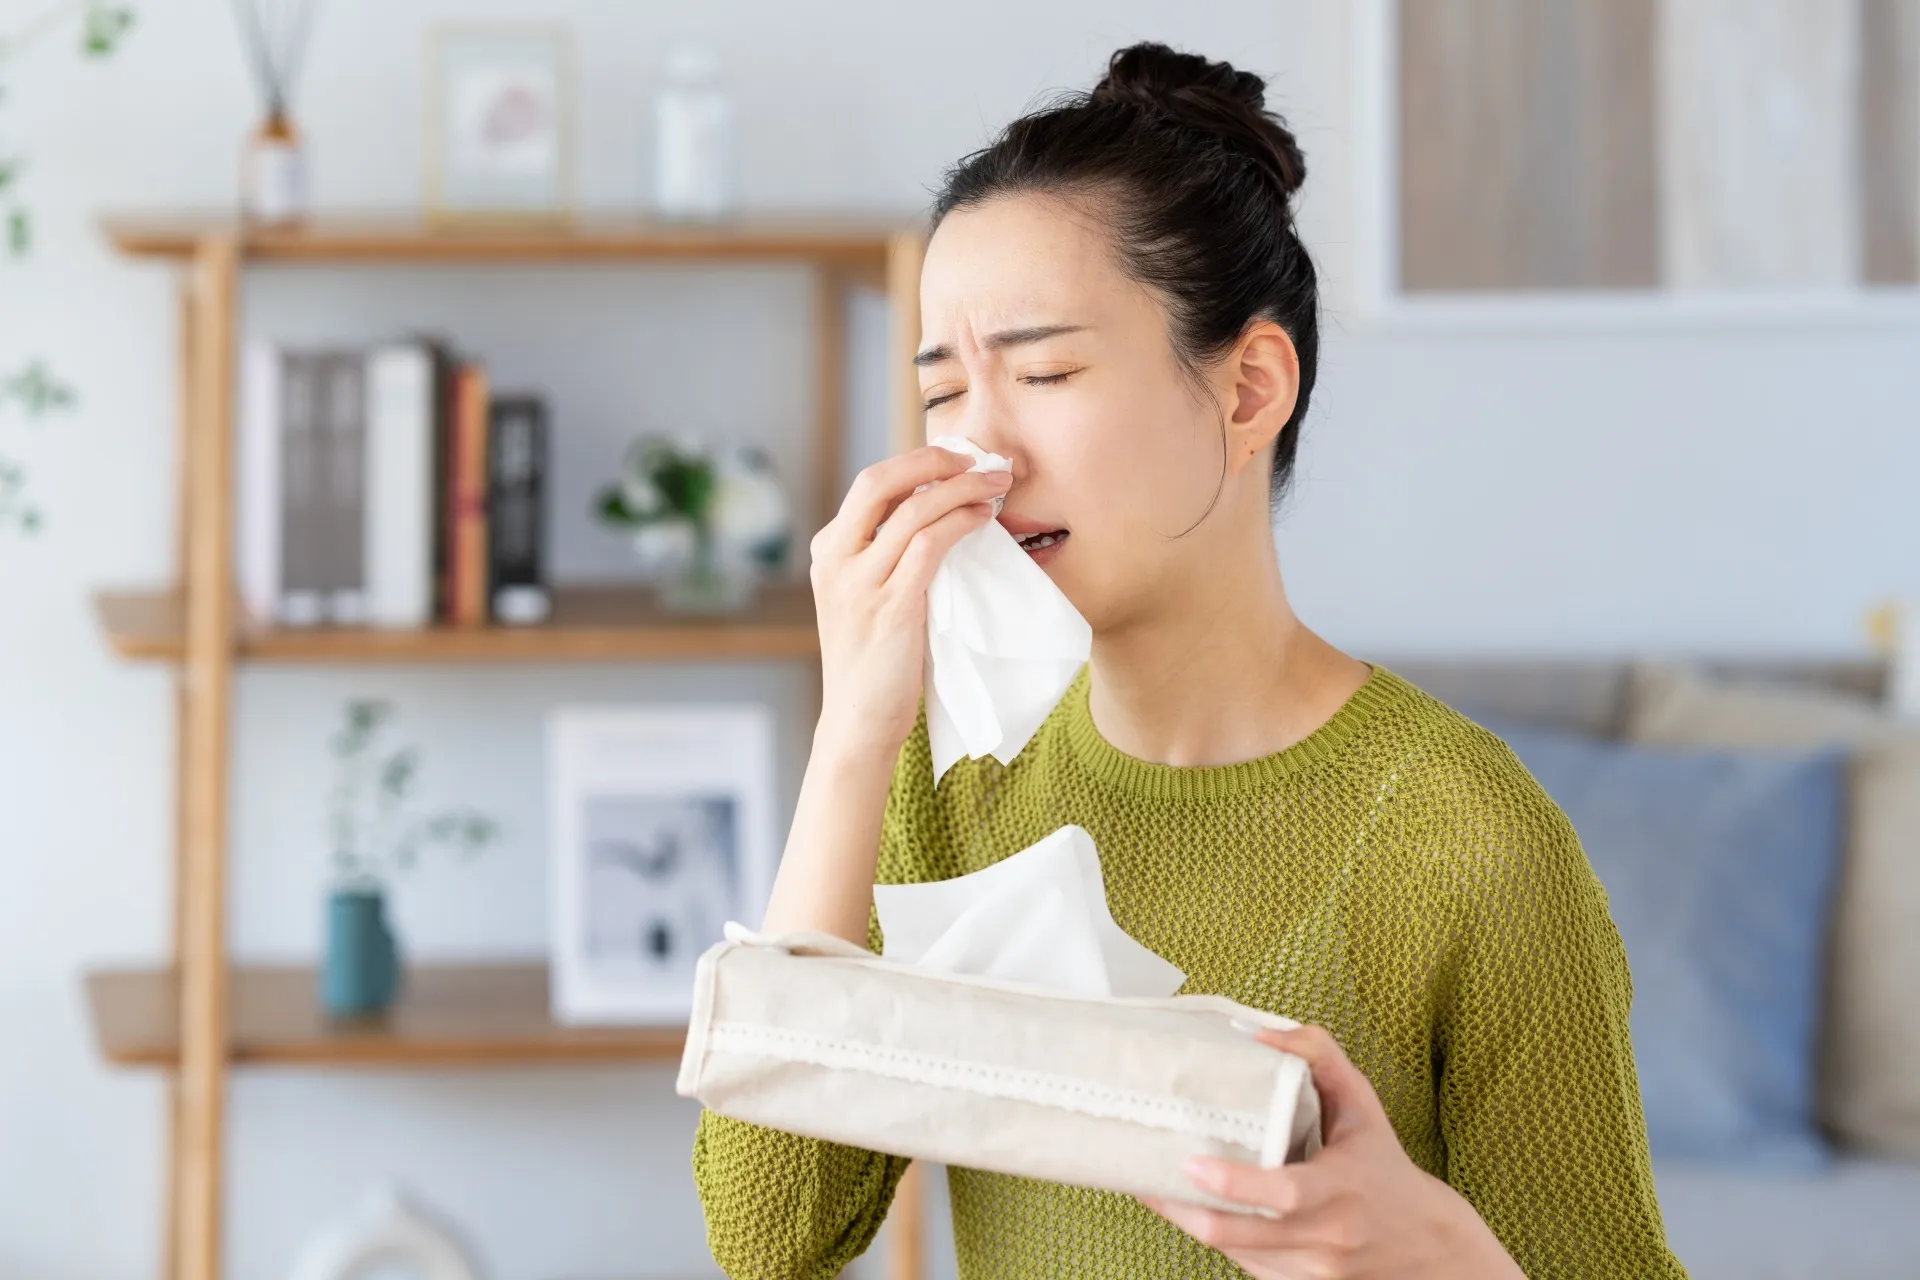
x=207 y=680
x=907 y=1248
x=830 y=392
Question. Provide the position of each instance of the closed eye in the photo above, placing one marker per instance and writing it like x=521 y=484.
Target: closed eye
x=1031 y=379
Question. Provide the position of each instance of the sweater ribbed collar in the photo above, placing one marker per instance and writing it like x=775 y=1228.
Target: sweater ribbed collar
x=1147 y=780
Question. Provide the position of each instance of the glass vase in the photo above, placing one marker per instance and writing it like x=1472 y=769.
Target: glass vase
x=707 y=582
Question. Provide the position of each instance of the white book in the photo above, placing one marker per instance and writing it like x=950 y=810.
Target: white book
x=398 y=506
x=257 y=504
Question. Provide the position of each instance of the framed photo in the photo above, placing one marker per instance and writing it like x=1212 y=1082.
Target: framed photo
x=499 y=127
x=662 y=831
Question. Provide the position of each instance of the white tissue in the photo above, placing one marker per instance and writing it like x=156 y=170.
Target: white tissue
x=1039 y=917
x=1003 y=643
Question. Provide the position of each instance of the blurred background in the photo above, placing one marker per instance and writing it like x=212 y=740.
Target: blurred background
x=582 y=308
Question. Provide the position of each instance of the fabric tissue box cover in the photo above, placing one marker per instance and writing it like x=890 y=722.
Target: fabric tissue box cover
x=810 y=1034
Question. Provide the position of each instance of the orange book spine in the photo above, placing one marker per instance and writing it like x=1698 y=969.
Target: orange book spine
x=470 y=501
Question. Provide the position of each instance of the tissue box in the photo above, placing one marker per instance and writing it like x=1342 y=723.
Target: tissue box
x=812 y=1035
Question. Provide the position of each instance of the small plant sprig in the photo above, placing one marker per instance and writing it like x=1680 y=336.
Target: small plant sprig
x=33 y=388
x=103 y=24
x=37 y=393
x=373 y=833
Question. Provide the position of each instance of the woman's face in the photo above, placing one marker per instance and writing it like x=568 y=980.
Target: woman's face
x=1035 y=345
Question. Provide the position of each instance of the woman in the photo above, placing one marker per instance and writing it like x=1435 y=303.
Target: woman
x=1116 y=299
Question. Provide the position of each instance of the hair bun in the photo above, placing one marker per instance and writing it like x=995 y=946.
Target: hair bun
x=1206 y=95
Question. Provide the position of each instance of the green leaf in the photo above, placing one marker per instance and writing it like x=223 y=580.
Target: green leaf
x=397 y=774
x=105 y=24
x=37 y=390
x=19 y=232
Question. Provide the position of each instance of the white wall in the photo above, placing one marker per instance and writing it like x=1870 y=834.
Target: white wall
x=1511 y=487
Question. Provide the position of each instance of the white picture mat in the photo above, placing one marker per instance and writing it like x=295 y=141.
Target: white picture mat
x=469 y=69
x=664 y=754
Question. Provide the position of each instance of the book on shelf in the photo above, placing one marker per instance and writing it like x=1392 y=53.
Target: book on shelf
x=387 y=487
x=517 y=471
x=467 y=560
x=341 y=509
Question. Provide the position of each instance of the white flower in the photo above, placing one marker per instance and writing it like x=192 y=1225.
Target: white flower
x=641 y=495
x=666 y=546
x=750 y=510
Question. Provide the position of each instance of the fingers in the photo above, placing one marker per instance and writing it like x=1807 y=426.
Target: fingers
x=924 y=551
x=1285 y=1190
x=922 y=509
x=880 y=488
x=1218 y=1227
x=1347 y=1099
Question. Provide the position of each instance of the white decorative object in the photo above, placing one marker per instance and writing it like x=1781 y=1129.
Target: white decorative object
x=1903 y=684
x=693 y=117
x=1758 y=122
x=389 y=1235
x=662 y=830
x=499 y=123
x=274 y=183
x=1003 y=642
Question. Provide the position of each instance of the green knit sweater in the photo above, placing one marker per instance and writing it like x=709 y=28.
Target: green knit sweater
x=1397 y=877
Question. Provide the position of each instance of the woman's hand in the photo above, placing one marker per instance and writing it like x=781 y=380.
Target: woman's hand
x=870 y=589
x=1358 y=1209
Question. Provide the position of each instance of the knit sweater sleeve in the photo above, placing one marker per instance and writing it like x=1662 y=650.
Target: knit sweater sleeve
x=783 y=1207
x=1539 y=1101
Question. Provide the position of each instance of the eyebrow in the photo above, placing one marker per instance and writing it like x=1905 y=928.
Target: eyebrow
x=998 y=341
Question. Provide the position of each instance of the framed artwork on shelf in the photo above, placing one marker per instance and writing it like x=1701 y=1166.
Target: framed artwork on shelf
x=661 y=830
x=1677 y=152
x=499 y=124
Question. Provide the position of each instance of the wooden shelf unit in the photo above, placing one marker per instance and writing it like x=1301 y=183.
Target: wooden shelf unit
x=447 y=1015
x=198 y=1015
x=589 y=624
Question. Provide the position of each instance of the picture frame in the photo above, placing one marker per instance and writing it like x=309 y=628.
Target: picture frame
x=498 y=136
x=662 y=830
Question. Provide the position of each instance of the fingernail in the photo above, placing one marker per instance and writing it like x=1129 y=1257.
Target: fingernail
x=1203 y=1173
x=1000 y=477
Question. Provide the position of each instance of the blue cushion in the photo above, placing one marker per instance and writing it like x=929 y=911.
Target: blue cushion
x=1718 y=867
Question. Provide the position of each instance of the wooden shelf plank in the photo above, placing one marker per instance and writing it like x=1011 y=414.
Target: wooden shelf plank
x=466 y=1015
x=398 y=236
x=589 y=624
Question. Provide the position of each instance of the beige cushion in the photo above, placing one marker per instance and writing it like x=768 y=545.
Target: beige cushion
x=815 y=1036
x=1869 y=1070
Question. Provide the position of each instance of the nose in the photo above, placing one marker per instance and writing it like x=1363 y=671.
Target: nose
x=988 y=424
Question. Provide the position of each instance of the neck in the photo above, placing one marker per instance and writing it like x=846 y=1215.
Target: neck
x=1226 y=672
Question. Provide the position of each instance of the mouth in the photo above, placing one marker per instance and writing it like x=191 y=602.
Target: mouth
x=1037 y=540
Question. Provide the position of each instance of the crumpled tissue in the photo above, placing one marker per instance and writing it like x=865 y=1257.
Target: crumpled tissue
x=1003 y=642
x=1039 y=916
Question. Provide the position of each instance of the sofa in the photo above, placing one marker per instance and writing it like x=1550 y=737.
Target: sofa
x=1858 y=1217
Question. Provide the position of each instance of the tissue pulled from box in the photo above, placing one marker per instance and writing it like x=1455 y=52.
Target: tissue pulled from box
x=1003 y=642
x=1039 y=916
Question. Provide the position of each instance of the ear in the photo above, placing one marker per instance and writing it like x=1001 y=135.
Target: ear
x=1262 y=376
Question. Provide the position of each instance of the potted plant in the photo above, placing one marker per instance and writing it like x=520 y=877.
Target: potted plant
x=375 y=835
x=705 y=523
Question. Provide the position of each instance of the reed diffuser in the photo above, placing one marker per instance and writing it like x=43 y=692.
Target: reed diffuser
x=273 y=179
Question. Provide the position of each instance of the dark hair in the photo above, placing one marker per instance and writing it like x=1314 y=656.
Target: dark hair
x=1195 y=176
